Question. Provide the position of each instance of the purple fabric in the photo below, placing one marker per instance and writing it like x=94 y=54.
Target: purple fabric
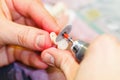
x=32 y=73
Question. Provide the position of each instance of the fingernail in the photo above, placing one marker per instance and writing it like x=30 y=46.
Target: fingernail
x=49 y=59
x=40 y=41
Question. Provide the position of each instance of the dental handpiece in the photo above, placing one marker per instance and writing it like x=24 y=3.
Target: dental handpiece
x=78 y=47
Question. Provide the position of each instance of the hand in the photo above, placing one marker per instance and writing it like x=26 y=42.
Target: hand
x=62 y=60
x=101 y=61
x=19 y=21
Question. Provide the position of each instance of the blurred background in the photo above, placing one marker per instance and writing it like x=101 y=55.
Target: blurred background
x=90 y=17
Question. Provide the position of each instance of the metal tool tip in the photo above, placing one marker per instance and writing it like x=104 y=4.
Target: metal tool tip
x=66 y=30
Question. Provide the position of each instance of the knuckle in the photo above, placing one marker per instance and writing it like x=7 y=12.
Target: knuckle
x=23 y=36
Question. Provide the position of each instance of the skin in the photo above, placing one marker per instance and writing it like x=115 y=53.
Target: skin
x=19 y=23
x=101 y=60
x=25 y=27
x=19 y=33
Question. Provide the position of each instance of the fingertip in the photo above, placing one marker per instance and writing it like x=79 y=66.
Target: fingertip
x=48 y=42
x=47 y=54
x=49 y=50
x=40 y=65
x=36 y=62
x=43 y=40
x=60 y=59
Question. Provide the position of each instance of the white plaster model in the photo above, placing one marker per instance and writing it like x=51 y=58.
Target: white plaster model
x=62 y=44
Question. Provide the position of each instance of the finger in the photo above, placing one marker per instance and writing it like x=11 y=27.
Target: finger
x=25 y=56
x=4 y=59
x=26 y=36
x=36 y=10
x=61 y=59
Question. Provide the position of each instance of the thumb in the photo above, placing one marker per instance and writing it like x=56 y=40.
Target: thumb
x=61 y=59
x=26 y=36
